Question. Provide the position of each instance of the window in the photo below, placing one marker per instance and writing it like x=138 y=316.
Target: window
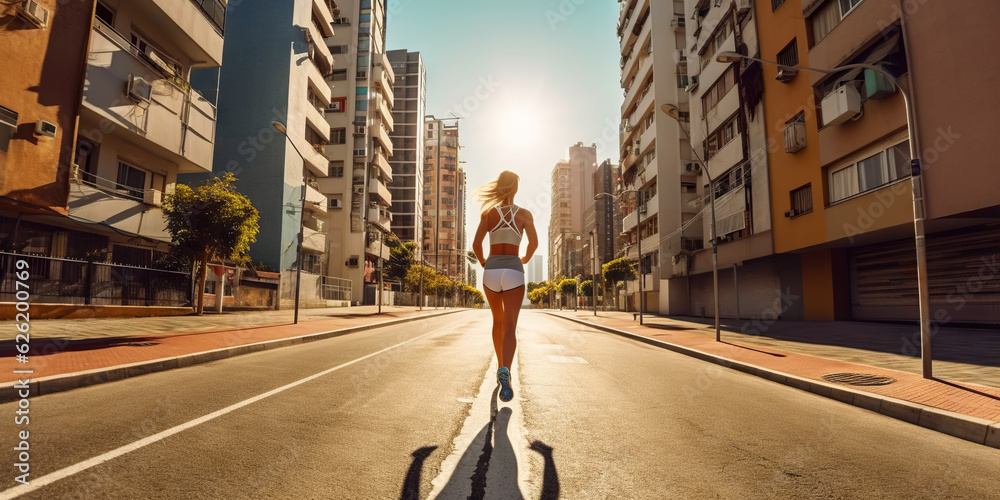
x=8 y=126
x=722 y=136
x=339 y=74
x=338 y=49
x=448 y=224
x=337 y=168
x=104 y=13
x=719 y=90
x=789 y=56
x=775 y=4
x=361 y=106
x=802 y=199
x=846 y=6
x=131 y=180
x=361 y=91
x=86 y=158
x=716 y=41
x=338 y=136
x=870 y=173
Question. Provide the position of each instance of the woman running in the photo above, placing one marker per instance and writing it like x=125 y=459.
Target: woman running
x=503 y=278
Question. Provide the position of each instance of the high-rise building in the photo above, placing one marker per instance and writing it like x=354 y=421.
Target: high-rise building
x=534 y=270
x=839 y=152
x=444 y=199
x=727 y=129
x=654 y=158
x=572 y=193
x=407 y=186
x=360 y=120
x=604 y=215
x=101 y=133
x=282 y=75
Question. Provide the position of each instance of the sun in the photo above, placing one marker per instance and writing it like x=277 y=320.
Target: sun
x=519 y=126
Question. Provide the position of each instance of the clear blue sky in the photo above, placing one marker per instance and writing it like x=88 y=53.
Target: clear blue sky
x=530 y=77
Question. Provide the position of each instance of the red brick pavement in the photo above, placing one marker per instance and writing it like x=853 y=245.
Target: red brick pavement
x=52 y=357
x=959 y=397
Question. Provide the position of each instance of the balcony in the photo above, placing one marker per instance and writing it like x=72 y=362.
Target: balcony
x=380 y=192
x=130 y=216
x=317 y=119
x=313 y=240
x=383 y=137
x=385 y=113
x=639 y=56
x=332 y=185
x=630 y=221
x=323 y=13
x=380 y=217
x=650 y=244
x=195 y=26
x=725 y=158
x=169 y=120
x=648 y=137
x=318 y=51
x=315 y=200
x=383 y=164
x=652 y=207
x=377 y=249
x=318 y=85
x=383 y=77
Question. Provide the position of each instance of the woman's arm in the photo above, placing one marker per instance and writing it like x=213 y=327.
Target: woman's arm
x=529 y=229
x=477 y=242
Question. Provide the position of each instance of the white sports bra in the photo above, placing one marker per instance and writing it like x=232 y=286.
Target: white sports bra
x=506 y=231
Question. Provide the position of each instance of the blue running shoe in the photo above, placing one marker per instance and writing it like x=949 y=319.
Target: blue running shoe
x=506 y=392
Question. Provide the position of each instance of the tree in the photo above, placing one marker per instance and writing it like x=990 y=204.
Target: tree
x=213 y=222
x=567 y=287
x=587 y=287
x=617 y=270
x=400 y=258
x=411 y=281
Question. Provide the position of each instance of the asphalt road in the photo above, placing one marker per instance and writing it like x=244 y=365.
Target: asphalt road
x=410 y=412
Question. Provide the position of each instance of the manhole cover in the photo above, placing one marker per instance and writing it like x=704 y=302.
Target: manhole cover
x=858 y=379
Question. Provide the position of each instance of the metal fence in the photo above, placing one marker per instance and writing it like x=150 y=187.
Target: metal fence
x=335 y=288
x=93 y=283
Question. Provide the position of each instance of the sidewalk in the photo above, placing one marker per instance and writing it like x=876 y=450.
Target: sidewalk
x=799 y=354
x=69 y=353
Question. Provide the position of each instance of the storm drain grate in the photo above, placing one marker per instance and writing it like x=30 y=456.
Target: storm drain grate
x=858 y=379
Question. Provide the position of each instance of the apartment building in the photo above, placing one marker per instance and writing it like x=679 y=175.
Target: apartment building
x=840 y=155
x=572 y=192
x=40 y=94
x=603 y=216
x=407 y=186
x=360 y=119
x=114 y=123
x=283 y=76
x=659 y=179
x=444 y=199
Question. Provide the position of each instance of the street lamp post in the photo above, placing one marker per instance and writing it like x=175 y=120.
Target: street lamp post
x=302 y=217
x=916 y=185
x=638 y=239
x=593 y=273
x=674 y=112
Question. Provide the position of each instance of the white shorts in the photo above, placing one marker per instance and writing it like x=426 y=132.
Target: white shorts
x=502 y=273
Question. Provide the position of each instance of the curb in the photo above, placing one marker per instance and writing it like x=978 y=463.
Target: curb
x=69 y=381
x=977 y=430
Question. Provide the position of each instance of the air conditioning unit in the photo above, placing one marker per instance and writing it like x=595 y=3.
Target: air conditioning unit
x=692 y=168
x=153 y=197
x=786 y=75
x=841 y=105
x=362 y=74
x=139 y=89
x=45 y=128
x=342 y=20
x=336 y=203
x=359 y=129
x=677 y=22
x=795 y=137
x=352 y=262
x=35 y=13
x=791 y=213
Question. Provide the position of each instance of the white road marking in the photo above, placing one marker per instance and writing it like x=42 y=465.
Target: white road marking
x=567 y=359
x=117 y=452
x=458 y=469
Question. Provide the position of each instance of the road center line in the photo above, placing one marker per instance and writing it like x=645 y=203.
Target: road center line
x=117 y=452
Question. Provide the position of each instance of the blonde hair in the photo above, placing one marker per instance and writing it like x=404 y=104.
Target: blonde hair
x=499 y=192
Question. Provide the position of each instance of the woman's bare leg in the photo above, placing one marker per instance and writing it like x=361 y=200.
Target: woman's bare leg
x=497 y=309
x=511 y=308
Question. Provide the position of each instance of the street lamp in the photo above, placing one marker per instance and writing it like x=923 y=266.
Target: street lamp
x=280 y=127
x=593 y=273
x=638 y=239
x=675 y=113
x=916 y=185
